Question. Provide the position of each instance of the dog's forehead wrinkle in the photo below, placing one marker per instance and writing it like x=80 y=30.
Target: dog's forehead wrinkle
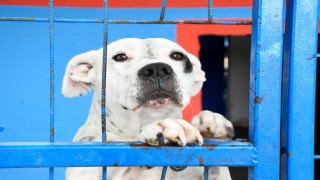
x=162 y=47
x=130 y=46
x=150 y=53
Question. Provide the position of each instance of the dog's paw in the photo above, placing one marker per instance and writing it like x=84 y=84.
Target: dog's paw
x=213 y=125
x=169 y=130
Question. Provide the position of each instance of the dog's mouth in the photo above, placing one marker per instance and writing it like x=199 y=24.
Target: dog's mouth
x=159 y=99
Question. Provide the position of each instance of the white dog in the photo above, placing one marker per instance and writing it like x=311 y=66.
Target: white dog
x=149 y=83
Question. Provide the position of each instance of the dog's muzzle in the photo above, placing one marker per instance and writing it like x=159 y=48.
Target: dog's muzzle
x=158 y=85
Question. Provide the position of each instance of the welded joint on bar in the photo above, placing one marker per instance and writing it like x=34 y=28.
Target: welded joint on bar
x=163 y=10
x=318 y=55
x=255 y=156
x=317 y=157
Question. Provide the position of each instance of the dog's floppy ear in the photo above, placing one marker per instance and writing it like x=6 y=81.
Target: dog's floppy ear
x=199 y=75
x=80 y=74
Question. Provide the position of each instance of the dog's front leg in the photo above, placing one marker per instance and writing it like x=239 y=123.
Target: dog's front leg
x=214 y=125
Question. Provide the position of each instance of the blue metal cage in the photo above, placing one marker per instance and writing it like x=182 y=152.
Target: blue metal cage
x=282 y=95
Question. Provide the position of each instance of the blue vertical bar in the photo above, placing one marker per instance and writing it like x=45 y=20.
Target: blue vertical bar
x=206 y=173
x=210 y=10
x=104 y=70
x=164 y=172
x=51 y=36
x=163 y=10
x=103 y=90
x=265 y=87
x=299 y=80
x=162 y=13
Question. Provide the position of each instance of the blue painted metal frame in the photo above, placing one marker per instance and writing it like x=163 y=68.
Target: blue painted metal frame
x=15 y=155
x=299 y=80
x=265 y=87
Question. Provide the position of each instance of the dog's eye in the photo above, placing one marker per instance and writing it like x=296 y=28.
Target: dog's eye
x=177 y=56
x=120 y=57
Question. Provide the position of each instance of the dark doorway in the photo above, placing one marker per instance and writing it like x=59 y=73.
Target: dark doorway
x=226 y=62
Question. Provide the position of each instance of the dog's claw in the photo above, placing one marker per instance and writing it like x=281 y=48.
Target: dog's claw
x=160 y=139
x=178 y=168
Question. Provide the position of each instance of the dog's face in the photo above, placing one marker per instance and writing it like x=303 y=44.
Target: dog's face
x=141 y=73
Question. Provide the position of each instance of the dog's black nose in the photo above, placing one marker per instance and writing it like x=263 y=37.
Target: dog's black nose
x=156 y=71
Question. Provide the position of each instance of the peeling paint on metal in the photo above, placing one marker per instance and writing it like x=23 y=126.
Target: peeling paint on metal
x=258 y=100
x=201 y=161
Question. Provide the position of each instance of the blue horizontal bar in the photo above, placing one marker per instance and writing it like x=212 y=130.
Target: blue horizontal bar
x=317 y=157
x=61 y=20
x=23 y=155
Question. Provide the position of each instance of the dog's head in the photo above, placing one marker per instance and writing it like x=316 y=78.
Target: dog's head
x=141 y=73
